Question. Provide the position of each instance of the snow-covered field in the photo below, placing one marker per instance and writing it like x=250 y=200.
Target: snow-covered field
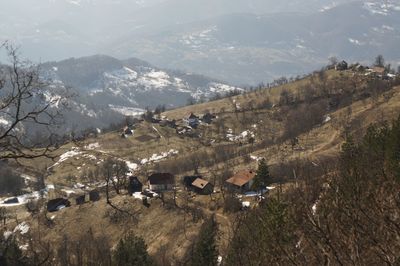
x=23 y=199
x=159 y=157
x=67 y=155
x=127 y=111
x=245 y=135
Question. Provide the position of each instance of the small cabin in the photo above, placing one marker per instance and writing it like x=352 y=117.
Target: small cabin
x=57 y=204
x=188 y=180
x=341 y=66
x=193 y=120
x=203 y=187
x=242 y=181
x=208 y=118
x=94 y=195
x=134 y=185
x=81 y=199
x=161 y=182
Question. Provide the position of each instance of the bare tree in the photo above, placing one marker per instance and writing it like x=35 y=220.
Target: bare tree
x=115 y=173
x=26 y=102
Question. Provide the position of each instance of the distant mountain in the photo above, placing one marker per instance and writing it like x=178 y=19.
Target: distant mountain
x=108 y=88
x=103 y=90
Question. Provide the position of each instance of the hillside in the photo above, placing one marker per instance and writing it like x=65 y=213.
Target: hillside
x=304 y=122
x=96 y=91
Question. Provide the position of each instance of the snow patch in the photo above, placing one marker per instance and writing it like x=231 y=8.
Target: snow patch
x=4 y=121
x=68 y=192
x=24 y=247
x=132 y=166
x=92 y=146
x=127 y=111
x=246 y=204
x=23 y=228
x=159 y=157
x=67 y=155
x=23 y=199
x=138 y=195
x=327 y=119
x=7 y=234
x=242 y=136
x=256 y=158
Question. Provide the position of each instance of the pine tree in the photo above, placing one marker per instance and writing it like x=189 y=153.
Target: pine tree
x=10 y=253
x=379 y=61
x=262 y=178
x=132 y=251
x=205 y=251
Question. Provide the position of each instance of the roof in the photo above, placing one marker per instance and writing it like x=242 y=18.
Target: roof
x=208 y=115
x=193 y=116
x=200 y=183
x=161 y=179
x=188 y=180
x=241 y=177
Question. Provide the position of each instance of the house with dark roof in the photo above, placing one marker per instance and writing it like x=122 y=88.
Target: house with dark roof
x=208 y=118
x=94 y=195
x=57 y=204
x=193 y=120
x=82 y=199
x=241 y=181
x=341 y=66
x=134 y=185
x=161 y=182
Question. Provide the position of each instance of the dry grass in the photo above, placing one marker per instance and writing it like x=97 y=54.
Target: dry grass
x=172 y=229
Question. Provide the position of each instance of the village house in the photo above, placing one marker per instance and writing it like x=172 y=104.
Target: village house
x=203 y=187
x=134 y=185
x=208 y=118
x=197 y=184
x=127 y=132
x=82 y=199
x=161 y=182
x=94 y=195
x=188 y=180
x=242 y=181
x=57 y=204
x=193 y=120
x=341 y=66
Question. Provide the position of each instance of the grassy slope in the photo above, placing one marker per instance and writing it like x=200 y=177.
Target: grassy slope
x=160 y=226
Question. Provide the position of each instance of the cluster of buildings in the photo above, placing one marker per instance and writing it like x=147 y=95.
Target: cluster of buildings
x=183 y=126
x=240 y=182
x=377 y=71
